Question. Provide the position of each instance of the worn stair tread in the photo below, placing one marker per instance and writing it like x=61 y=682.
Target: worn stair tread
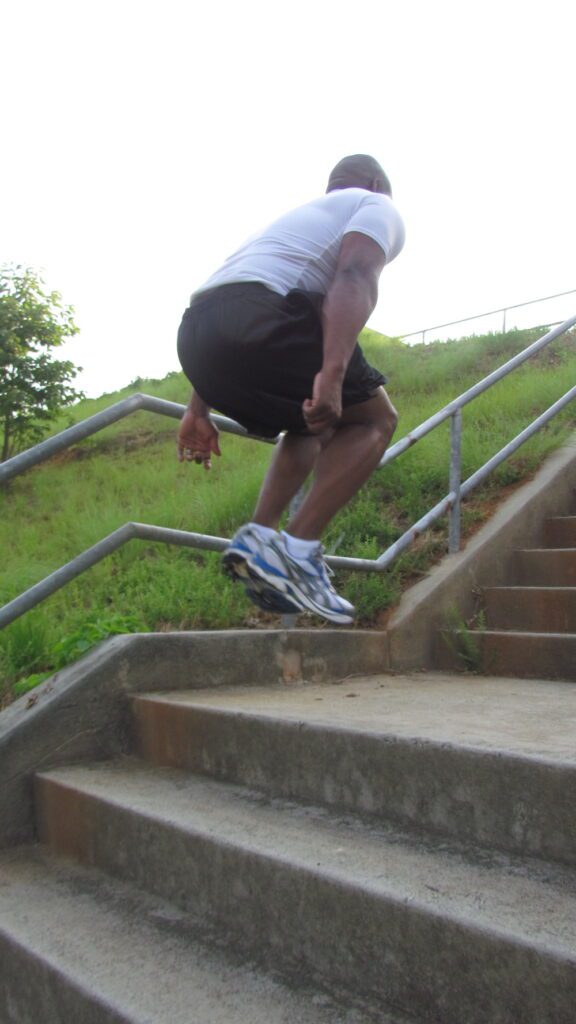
x=518 y=717
x=133 y=954
x=546 y=551
x=524 y=633
x=528 y=652
x=486 y=761
x=519 y=587
x=527 y=902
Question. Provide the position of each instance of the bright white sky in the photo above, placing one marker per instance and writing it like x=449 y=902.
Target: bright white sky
x=142 y=142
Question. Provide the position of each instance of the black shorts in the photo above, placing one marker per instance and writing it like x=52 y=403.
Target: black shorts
x=252 y=354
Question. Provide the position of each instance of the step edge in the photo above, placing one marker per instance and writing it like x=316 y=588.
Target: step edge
x=521 y=587
x=276 y=720
x=545 y=551
x=80 y=986
x=521 y=634
x=521 y=938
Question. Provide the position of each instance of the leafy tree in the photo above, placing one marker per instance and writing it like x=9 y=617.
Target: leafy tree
x=33 y=386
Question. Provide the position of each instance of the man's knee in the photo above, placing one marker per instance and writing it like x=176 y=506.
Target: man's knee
x=377 y=415
x=383 y=424
x=383 y=417
x=390 y=420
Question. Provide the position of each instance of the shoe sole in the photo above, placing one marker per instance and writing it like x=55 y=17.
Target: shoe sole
x=268 y=601
x=260 y=592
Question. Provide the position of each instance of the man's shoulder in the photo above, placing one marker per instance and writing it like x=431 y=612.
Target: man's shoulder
x=353 y=199
x=341 y=202
x=346 y=196
x=377 y=216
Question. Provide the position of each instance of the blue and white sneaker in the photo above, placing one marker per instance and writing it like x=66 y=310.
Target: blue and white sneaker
x=314 y=587
x=305 y=582
x=247 y=543
x=294 y=584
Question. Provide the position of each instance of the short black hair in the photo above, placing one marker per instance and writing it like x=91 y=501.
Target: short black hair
x=358 y=171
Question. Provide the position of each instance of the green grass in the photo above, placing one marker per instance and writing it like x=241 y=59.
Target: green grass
x=130 y=472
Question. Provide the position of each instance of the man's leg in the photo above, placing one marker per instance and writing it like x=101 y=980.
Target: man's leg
x=344 y=459
x=344 y=463
x=292 y=463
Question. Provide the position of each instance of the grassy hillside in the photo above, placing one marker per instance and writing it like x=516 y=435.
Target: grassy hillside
x=129 y=471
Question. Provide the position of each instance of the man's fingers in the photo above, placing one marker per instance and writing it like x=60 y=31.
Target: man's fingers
x=320 y=417
x=192 y=455
x=201 y=459
x=188 y=451
x=317 y=424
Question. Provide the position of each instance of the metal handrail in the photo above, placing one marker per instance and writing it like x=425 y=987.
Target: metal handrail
x=142 y=531
x=130 y=531
x=490 y=312
x=458 y=403
x=53 y=445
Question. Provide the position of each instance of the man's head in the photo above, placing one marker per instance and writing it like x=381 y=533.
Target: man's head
x=359 y=171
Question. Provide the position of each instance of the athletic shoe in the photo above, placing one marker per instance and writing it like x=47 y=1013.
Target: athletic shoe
x=245 y=544
x=306 y=581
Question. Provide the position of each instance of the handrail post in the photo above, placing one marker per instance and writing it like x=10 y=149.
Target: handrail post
x=455 y=480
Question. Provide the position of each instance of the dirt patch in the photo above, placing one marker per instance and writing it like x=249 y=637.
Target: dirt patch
x=113 y=445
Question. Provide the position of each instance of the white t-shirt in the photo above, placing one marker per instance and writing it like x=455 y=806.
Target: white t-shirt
x=300 y=249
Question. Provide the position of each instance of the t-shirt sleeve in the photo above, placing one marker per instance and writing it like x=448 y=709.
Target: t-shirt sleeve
x=378 y=218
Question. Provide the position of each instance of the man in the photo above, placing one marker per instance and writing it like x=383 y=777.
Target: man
x=271 y=341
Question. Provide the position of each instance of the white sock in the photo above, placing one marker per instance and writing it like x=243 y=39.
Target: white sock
x=297 y=547
x=264 y=531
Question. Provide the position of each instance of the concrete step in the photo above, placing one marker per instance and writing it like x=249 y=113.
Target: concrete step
x=531 y=609
x=442 y=935
x=77 y=947
x=511 y=653
x=546 y=567
x=480 y=760
x=560 y=532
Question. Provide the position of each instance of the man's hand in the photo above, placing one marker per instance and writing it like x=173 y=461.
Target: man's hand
x=197 y=439
x=324 y=409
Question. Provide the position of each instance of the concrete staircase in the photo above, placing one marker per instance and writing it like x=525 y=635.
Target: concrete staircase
x=299 y=844
x=530 y=624
x=386 y=849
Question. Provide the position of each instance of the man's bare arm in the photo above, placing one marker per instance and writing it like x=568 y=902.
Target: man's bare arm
x=197 y=436
x=347 y=307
